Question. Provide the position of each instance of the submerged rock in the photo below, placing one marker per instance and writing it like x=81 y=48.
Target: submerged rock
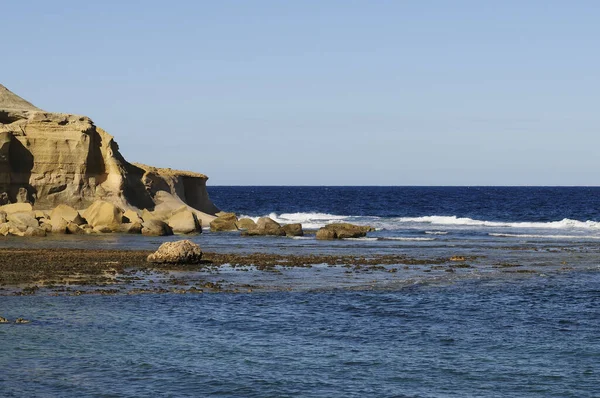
x=4 y=320
x=181 y=252
x=21 y=320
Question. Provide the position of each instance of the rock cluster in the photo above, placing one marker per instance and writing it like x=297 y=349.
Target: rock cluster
x=266 y=226
x=18 y=320
x=101 y=217
x=51 y=159
x=343 y=231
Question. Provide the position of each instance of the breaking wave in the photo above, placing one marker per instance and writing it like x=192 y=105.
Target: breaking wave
x=545 y=236
x=308 y=220
x=317 y=220
x=453 y=220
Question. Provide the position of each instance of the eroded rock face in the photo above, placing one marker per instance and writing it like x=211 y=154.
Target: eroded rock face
x=48 y=159
x=181 y=252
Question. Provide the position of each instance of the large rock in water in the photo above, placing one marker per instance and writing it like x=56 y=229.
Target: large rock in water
x=49 y=159
x=181 y=252
x=224 y=222
x=343 y=231
x=265 y=226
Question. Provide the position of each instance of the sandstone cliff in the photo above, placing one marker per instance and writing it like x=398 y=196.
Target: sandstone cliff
x=49 y=159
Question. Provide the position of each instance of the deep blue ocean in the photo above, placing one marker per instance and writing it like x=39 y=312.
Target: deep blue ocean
x=523 y=321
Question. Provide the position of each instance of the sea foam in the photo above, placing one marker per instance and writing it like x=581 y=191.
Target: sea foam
x=458 y=221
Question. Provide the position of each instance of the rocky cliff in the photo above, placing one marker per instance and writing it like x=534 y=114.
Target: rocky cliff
x=54 y=158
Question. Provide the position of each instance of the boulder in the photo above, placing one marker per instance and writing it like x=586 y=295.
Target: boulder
x=153 y=227
x=5 y=229
x=131 y=228
x=184 y=222
x=3 y=216
x=74 y=229
x=344 y=231
x=105 y=229
x=265 y=226
x=245 y=223
x=14 y=230
x=105 y=214
x=293 y=229
x=59 y=225
x=17 y=208
x=68 y=213
x=181 y=252
x=224 y=222
x=37 y=231
x=326 y=234
x=23 y=220
x=41 y=214
x=46 y=226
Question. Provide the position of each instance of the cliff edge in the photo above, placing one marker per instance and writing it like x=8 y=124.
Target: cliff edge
x=49 y=159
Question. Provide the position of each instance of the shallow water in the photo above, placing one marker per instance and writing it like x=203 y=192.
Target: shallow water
x=532 y=336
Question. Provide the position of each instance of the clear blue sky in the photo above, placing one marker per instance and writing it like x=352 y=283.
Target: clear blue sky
x=324 y=92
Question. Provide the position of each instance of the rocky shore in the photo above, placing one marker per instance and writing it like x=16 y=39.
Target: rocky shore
x=26 y=271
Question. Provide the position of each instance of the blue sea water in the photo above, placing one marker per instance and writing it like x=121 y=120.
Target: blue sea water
x=481 y=332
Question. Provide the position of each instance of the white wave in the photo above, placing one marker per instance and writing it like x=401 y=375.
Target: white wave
x=408 y=239
x=308 y=220
x=545 y=236
x=301 y=237
x=315 y=220
x=453 y=220
x=363 y=239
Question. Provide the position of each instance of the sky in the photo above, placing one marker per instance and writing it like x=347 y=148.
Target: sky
x=324 y=92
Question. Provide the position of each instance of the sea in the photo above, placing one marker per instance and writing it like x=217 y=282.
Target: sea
x=518 y=316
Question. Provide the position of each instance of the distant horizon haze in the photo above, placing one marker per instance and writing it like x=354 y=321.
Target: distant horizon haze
x=363 y=93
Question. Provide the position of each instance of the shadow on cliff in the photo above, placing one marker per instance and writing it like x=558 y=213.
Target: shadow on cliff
x=132 y=188
x=21 y=165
